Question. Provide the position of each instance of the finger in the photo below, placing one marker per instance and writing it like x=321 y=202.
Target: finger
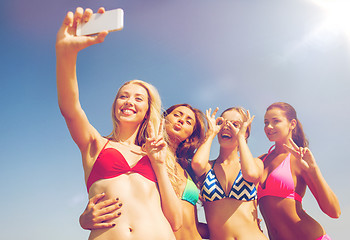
x=208 y=112
x=103 y=225
x=68 y=20
x=161 y=127
x=87 y=14
x=95 y=199
x=295 y=146
x=78 y=15
x=107 y=203
x=248 y=114
x=215 y=111
x=110 y=209
x=292 y=150
x=101 y=10
x=250 y=120
x=150 y=131
x=100 y=37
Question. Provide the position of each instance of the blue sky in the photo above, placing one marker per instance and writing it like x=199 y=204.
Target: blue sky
x=206 y=53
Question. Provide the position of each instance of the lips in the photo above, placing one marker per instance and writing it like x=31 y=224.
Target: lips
x=177 y=127
x=127 y=111
x=226 y=135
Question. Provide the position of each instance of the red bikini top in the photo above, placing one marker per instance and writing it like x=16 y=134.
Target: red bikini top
x=111 y=163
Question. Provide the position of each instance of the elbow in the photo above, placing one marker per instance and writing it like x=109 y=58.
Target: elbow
x=335 y=214
x=252 y=176
x=197 y=168
x=176 y=224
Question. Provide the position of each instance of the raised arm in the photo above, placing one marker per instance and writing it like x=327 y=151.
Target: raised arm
x=200 y=162
x=252 y=168
x=67 y=47
x=326 y=198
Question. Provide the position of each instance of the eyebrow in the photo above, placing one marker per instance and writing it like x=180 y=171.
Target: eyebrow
x=181 y=113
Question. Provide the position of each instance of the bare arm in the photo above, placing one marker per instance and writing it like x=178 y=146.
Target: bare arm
x=326 y=198
x=252 y=168
x=67 y=47
x=156 y=149
x=200 y=162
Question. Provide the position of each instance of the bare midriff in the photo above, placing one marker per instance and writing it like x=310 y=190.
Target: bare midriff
x=141 y=214
x=230 y=219
x=285 y=219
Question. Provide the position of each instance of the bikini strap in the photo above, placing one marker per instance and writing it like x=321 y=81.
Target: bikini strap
x=105 y=145
x=268 y=153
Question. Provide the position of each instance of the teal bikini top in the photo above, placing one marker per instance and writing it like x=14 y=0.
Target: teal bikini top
x=191 y=192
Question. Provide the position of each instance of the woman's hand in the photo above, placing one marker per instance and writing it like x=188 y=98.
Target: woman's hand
x=98 y=212
x=214 y=125
x=67 y=41
x=155 y=146
x=304 y=155
x=240 y=129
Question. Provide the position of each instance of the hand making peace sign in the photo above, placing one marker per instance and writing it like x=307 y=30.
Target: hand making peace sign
x=303 y=154
x=155 y=146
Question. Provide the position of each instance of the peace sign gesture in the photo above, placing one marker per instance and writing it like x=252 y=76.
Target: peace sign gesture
x=214 y=125
x=155 y=145
x=241 y=129
x=303 y=154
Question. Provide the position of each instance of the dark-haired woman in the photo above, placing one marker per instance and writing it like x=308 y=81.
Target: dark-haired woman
x=288 y=168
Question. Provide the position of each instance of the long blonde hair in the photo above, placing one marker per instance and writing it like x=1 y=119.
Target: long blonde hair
x=153 y=115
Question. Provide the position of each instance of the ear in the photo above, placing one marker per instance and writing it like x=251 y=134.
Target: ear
x=293 y=124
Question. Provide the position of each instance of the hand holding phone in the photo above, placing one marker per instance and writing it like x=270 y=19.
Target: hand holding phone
x=112 y=20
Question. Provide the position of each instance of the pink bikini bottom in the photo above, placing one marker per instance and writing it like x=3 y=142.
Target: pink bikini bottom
x=324 y=237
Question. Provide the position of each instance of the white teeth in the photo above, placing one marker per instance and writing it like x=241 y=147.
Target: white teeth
x=127 y=111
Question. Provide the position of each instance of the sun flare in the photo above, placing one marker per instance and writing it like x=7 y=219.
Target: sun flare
x=338 y=14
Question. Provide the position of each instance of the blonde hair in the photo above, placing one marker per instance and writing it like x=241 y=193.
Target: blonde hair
x=153 y=115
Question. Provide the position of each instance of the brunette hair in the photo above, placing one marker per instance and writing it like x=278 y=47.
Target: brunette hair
x=244 y=115
x=186 y=149
x=153 y=115
x=298 y=135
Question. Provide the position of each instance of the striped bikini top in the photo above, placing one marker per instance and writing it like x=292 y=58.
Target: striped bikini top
x=241 y=189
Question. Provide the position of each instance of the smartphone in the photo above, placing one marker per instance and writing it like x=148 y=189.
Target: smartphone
x=112 y=20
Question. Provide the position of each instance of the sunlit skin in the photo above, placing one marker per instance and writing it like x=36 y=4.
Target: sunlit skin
x=228 y=218
x=150 y=207
x=288 y=220
x=132 y=104
x=179 y=125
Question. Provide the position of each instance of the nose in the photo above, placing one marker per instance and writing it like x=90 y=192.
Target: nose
x=181 y=120
x=129 y=102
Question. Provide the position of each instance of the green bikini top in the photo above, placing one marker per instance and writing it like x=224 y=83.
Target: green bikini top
x=191 y=192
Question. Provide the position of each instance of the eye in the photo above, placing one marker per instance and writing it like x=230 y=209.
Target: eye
x=122 y=96
x=176 y=115
x=189 y=122
x=139 y=99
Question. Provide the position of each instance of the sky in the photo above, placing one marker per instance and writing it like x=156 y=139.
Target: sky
x=205 y=53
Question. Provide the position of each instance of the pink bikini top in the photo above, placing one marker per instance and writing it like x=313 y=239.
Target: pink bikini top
x=111 y=163
x=279 y=182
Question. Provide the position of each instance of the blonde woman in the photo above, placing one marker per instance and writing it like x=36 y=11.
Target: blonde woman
x=130 y=162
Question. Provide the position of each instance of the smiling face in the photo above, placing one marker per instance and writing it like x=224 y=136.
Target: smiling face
x=180 y=124
x=131 y=104
x=277 y=127
x=226 y=136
